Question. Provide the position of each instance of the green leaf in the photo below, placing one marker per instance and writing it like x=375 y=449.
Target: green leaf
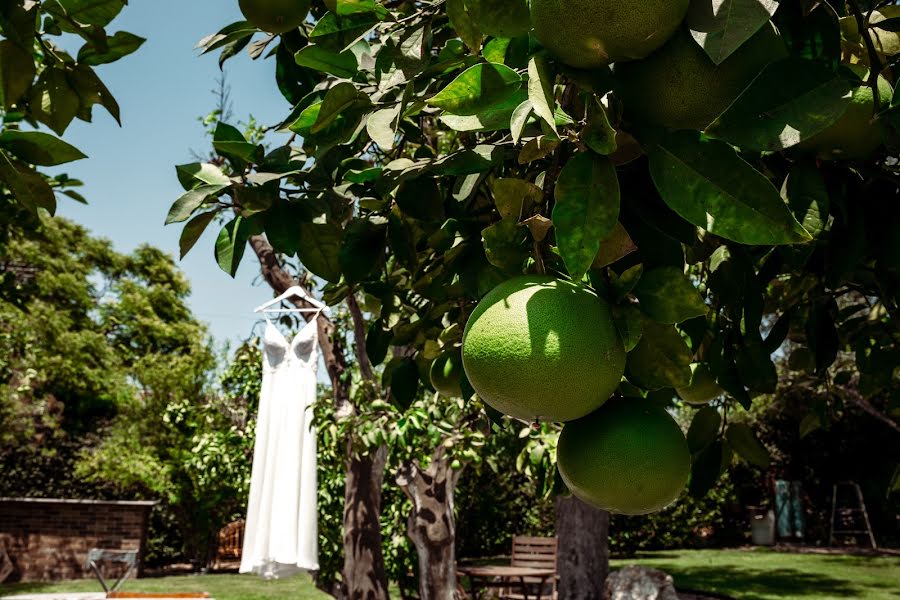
x=630 y=325
x=91 y=90
x=755 y=366
x=707 y=467
x=789 y=102
x=668 y=296
x=92 y=12
x=53 y=101
x=363 y=248
x=462 y=22
x=661 y=359
x=586 y=210
x=27 y=185
x=421 y=198
x=119 y=45
x=230 y=245
x=495 y=118
x=624 y=283
x=190 y=201
x=229 y=142
x=541 y=79
x=722 y=26
x=519 y=119
x=193 y=230
x=709 y=185
x=477 y=88
x=382 y=126
x=320 y=245
x=339 y=64
x=614 y=247
x=495 y=50
x=339 y=99
x=404 y=380
x=515 y=197
x=191 y=174
x=805 y=192
x=17 y=71
x=704 y=429
x=479 y=159
x=810 y=423
x=504 y=244
x=744 y=441
x=339 y=33
x=598 y=134
x=378 y=342
x=38 y=148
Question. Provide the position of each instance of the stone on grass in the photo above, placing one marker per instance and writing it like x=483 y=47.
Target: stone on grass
x=639 y=583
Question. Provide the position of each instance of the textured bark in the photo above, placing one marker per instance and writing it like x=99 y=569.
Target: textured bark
x=431 y=526
x=583 y=533
x=364 y=575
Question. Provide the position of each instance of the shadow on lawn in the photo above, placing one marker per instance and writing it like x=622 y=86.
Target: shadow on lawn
x=760 y=584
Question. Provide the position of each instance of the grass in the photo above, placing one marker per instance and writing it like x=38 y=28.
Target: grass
x=220 y=587
x=758 y=574
x=762 y=574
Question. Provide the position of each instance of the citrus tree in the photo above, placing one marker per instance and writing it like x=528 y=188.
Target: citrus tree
x=43 y=85
x=602 y=207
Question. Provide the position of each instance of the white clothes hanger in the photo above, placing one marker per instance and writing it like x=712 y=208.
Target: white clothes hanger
x=293 y=291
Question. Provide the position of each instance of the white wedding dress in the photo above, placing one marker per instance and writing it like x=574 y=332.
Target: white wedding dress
x=281 y=534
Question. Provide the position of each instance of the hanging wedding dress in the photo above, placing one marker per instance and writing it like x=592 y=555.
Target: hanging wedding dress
x=281 y=536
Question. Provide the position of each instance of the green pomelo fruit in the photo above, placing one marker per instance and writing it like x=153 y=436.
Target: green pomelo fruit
x=586 y=34
x=702 y=389
x=500 y=18
x=445 y=372
x=275 y=16
x=856 y=134
x=679 y=87
x=537 y=348
x=629 y=457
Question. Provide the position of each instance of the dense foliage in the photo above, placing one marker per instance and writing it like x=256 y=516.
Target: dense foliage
x=44 y=85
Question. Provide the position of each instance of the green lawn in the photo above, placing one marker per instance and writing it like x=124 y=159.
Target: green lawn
x=746 y=575
x=221 y=587
x=762 y=574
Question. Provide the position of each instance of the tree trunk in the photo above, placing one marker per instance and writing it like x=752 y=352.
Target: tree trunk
x=364 y=576
x=583 y=533
x=431 y=526
x=364 y=573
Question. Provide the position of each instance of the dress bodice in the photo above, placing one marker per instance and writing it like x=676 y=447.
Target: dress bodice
x=279 y=351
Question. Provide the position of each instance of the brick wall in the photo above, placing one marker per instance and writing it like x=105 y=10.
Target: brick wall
x=48 y=540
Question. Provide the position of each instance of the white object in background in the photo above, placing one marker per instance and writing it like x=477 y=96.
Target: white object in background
x=763 y=529
x=281 y=536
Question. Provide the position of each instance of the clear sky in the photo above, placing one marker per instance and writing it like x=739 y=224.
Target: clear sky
x=129 y=175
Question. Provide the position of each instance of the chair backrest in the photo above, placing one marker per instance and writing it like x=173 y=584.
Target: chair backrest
x=537 y=552
x=231 y=541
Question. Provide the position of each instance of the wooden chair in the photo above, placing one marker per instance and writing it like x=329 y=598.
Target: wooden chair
x=230 y=543
x=538 y=553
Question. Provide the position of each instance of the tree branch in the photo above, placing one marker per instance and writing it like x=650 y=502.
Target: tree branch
x=332 y=351
x=867 y=407
x=359 y=338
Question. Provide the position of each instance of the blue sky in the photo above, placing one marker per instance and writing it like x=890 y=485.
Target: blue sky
x=129 y=175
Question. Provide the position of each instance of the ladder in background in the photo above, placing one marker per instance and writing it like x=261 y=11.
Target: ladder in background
x=849 y=515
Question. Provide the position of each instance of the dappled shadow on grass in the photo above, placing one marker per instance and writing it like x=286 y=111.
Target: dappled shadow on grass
x=761 y=584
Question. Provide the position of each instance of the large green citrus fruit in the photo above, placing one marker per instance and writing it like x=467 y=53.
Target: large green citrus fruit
x=275 y=16
x=679 y=87
x=589 y=33
x=629 y=457
x=855 y=135
x=702 y=389
x=500 y=18
x=538 y=348
x=445 y=372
